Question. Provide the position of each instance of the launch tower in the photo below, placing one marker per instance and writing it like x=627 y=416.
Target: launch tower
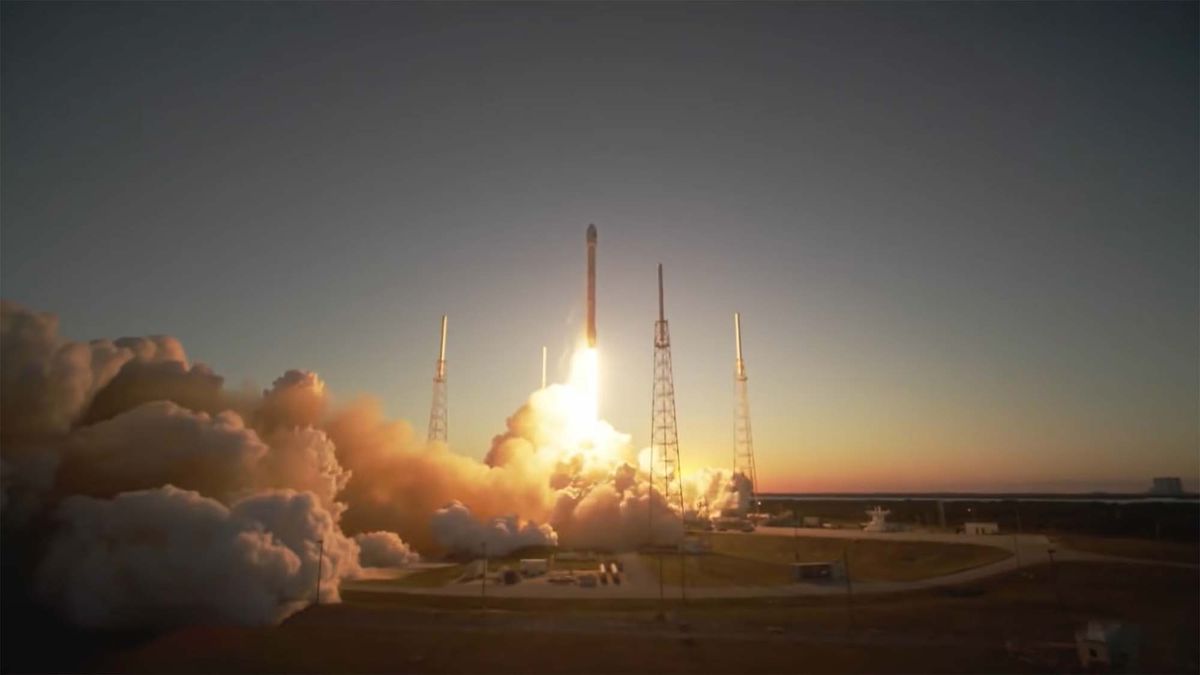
x=743 y=453
x=437 y=412
x=664 y=435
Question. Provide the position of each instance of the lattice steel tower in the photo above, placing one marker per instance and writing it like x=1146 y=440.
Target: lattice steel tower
x=743 y=442
x=437 y=412
x=664 y=435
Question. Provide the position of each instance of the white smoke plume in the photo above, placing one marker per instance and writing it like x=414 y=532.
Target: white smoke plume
x=49 y=383
x=708 y=492
x=46 y=381
x=168 y=556
x=456 y=529
x=162 y=504
x=162 y=443
x=384 y=549
x=103 y=434
x=397 y=482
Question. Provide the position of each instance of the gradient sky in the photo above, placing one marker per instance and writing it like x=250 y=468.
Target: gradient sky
x=963 y=237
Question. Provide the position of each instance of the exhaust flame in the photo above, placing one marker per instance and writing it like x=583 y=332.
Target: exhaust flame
x=585 y=392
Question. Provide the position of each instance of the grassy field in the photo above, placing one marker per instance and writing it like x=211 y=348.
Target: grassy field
x=870 y=559
x=938 y=630
x=440 y=576
x=430 y=578
x=741 y=560
x=717 y=570
x=1146 y=549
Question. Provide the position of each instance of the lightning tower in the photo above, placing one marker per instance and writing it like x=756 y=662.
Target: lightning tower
x=437 y=412
x=743 y=442
x=664 y=435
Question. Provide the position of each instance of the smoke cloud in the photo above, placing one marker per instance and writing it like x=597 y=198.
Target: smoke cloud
x=707 y=492
x=384 y=549
x=456 y=529
x=168 y=556
x=397 y=482
x=160 y=497
x=46 y=381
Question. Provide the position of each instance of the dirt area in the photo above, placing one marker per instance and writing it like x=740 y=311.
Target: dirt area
x=959 y=629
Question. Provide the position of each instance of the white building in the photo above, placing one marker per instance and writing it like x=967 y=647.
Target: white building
x=981 y=528
x=1108 y=646
x=1169 y=486
x=532 y=567
x=878 y=522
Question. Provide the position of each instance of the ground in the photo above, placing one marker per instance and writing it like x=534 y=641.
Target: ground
x=995 y=604
x=755 y=564
x=874 y=559
x=1019 y=622
x=1145 y=549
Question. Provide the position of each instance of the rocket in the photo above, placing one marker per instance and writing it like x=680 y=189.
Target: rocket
x=591 y=286
x=441 y=362
x=739 y=366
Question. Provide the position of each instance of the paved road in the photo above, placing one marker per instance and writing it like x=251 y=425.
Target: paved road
x=640 y=582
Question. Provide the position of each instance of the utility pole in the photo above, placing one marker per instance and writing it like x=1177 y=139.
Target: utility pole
x=795 y=533
x=1054 y=577
x=320 y=559
x=1017 y=538
x=662 y=598
x=849 y=585
x=483 y=579
x=543 y=366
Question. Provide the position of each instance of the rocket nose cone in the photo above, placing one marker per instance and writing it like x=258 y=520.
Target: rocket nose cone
x=591 y=233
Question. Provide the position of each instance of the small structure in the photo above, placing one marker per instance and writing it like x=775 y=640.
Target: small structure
x=832 y=570
x=510 y=577
x=981 y=528
x=1168 y=486
x=878 y=522
x=534 y=567
x=1108 y=645
x=725 y=523
x=473 y=570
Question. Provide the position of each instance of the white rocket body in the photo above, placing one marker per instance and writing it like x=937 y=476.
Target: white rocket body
x=591 y=286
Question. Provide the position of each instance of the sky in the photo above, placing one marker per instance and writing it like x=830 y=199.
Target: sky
x=963 y=237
